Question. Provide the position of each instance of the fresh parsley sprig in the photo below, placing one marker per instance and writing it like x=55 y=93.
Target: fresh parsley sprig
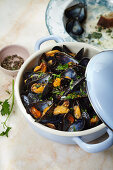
x=6 y=110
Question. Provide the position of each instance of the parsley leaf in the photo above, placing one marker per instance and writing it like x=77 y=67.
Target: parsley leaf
x=1 y=102
x=5 y=108
x=5 y=133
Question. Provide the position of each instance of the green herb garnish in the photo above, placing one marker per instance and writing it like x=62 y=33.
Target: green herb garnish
x=74 y=129
x=71 y=84
x=6 y=110
x=58 y=92
x=56 y=76
x=62 y=67
x=95 y=35
x=99 y=29
x=78 y=77
x=109 y=30
x=5 y=133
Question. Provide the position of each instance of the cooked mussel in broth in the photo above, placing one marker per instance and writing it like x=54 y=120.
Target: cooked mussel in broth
x=54 y=91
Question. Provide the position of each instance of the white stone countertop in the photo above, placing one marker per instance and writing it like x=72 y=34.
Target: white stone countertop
x=23 y=22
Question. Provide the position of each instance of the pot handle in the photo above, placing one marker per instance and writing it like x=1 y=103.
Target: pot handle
x=47 y=38
x=93 y=148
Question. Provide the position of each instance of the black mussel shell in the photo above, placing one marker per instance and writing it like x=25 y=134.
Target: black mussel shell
x=65 y=82
x=74 y=11
x=57 y=48
x=74 y=28
x=66 y=121
x=74 y=86
x=46 y=92
x=67 y=50
x=86 y=116
x=69 y=25
x=70 y=73
x=82 y=15
x=42 y=105
x=77 y=28
x=78 y=125
x=42 y=58
x=33 y=97
x=80 y=54
x=64 y=58
x=25 y=100
x=84 y=61
x=34 y=78
x=80 y=70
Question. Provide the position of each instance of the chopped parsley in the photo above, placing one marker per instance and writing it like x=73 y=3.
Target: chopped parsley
x=99 y=29
x=95 y=35
x=62 y=67
x=58 y=92
x=71 y=84
x=108 y=30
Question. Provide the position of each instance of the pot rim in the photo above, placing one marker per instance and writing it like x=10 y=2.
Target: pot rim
x=29 y=117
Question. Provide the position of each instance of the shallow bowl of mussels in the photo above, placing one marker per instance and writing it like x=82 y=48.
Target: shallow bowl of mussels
x=51 y=93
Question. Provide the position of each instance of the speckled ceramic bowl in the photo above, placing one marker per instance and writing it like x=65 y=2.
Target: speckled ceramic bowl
x=55 y=20
x=79 y=137
x=12 y=50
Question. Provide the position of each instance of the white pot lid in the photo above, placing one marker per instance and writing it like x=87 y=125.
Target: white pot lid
x=99 y=77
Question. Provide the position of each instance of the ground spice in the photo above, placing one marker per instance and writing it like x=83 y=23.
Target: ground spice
x=13 y=62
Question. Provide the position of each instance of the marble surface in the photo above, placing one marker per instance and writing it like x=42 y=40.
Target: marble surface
x=23 y=22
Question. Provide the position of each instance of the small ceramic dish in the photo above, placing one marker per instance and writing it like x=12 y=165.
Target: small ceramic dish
x=12 y=50
x=56 y=23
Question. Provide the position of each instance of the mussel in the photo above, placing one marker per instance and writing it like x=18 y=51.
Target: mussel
x=74 y=28
x=75 y=15
x=78 y=125
x=76 y=11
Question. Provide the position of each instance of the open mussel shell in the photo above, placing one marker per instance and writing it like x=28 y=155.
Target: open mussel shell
x=42 y=105
x=45 y=79
x=50 y=118
x=70 y=73
x=64 y=58
x=74 y=11
x=34 y=77
x=78 y=125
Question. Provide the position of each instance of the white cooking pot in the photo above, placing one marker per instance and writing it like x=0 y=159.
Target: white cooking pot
x=80 y=137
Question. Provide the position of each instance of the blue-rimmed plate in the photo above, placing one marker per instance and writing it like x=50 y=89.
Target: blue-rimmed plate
x=55 y=20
